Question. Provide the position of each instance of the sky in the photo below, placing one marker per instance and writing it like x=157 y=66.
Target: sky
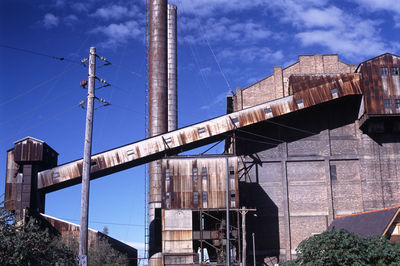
x=222 y=45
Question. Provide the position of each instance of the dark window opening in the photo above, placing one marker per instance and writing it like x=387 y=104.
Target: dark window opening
x=397 y=103
x=387 y=103
x=194 y=172
x=267 y=111
x=233 y=196
x=205 y=197
x=204 y=173
x=395 y=71
x=232 y=172
x=195 y=197
x=235 y=120
x=333 y=172
x=384 y=71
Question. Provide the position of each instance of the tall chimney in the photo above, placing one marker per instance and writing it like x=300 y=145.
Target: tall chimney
x=158 y=100
x=172 y=69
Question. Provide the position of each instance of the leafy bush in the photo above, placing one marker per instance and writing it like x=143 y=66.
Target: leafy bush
x=339 y=247
x=30 y=244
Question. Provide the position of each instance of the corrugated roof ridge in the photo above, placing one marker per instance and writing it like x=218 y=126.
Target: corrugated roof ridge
x=360 y=213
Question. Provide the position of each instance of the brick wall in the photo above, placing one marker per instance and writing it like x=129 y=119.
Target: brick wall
x=276 y=86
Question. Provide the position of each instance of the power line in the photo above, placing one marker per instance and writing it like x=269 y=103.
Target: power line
x=41 y=123
x=37 y=107
x=104 y=222
x=37 y=86
x=40 y=54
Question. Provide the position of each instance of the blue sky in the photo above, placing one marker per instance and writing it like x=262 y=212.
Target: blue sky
x=222 y=45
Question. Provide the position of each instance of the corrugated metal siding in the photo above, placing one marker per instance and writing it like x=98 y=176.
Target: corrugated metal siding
x=180 y=183
x=186 y=138
x=381 y=85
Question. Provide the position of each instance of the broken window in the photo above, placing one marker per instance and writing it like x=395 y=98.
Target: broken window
x=395 y=71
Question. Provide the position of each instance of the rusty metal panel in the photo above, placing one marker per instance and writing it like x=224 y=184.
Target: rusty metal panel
x=11 y=181
x=29 y=150
x=198 y=182
x=186 y=138
x=315 y=89
x=177 y=231
x=380 y=84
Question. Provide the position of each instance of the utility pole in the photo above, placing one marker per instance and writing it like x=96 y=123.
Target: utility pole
x=243 y=212
x=228 y=257
x=83 y=237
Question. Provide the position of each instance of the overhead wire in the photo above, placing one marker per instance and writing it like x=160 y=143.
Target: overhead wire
x=38 y=107
x=38 y=86
x=40 y=54
x=41 y=123
x=104 y=222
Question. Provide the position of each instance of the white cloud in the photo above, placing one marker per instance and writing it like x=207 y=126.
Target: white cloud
x=377 y=5
x=50 y=21
x=115 y=12
x=80 y=6
x=204 y=8
x=119 y=33
x=223 y=30
x=320 y=24
x=70 y=19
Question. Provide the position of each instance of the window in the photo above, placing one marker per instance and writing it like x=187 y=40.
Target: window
x=195 y=197
x=235 y=121
x=232 y=172
x=167 y=198
x=204 y=173
x=194 y=173
x=387 y=103
x=397 y=103
x=167 y=174
x=205 y=197
x=201 y=130
x=395 y=71
x=334 y=93
x=268 y=111
x=384 y=71
x=300 y=103
x=333 y=172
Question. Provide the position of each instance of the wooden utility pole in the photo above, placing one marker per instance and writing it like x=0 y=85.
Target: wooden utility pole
x=243 y=212
x=83 y=237
x=228 y=257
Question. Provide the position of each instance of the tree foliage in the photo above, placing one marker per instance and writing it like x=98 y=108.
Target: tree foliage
x=339 y=247
x=30 y=244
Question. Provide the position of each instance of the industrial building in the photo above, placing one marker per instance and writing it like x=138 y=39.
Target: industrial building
x=313 y=141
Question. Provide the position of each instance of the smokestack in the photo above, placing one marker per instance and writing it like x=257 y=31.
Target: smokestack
x=158 y=100
x=172 y=69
